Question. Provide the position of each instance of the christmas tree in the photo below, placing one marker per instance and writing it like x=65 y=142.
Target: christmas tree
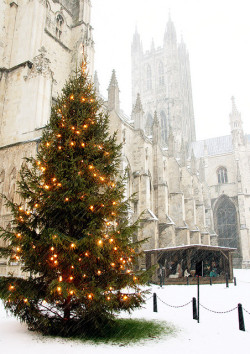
x=71 y=233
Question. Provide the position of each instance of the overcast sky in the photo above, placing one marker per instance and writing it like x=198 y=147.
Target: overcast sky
x=217 y=35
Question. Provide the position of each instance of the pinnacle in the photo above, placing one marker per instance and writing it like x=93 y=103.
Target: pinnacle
x=113 y=80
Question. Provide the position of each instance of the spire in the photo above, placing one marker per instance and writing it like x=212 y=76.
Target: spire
x=170 y=32
x=183 y=153
x=113 y=94
x=136 y=43
x=236 y=125
x=193 y=163
x=137 y=113
x=96 y=83
x=156 y=130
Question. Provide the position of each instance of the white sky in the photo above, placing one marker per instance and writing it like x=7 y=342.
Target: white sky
x=217 y=35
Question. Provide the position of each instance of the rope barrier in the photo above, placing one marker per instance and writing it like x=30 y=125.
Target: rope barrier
x=246 y=310
x=174 y=305
x=218 y=311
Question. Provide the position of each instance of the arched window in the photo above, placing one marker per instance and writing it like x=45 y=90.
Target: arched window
x=164 y=127
x=149 y=77
x=149 y=124
x=161 y=74
x=222 y=175
x=226 y=223
x=59 y=25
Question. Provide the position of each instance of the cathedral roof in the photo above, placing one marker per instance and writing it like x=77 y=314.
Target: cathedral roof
x=213 y=146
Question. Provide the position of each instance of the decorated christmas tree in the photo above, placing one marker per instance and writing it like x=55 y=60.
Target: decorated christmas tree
x=71 y=233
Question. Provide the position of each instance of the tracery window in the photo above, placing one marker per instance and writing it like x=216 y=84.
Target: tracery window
x=149 y=77
x=222 y=175
x=59 y=26
x=227 y=228
x=161 y=74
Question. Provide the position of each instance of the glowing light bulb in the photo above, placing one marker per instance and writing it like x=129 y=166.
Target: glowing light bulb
x=71 y=292
x=59 y=289
x=47 y=144
x=71 y=97
x=111 y=240
x=90 y=296
x=25 y=300
x=59 y=148
x=85 y=126
x=100 y=242
x=72 y=245
x=82 y=99
x=99 y=272
x=18 y=235
x=52 y=248
x=108 y=298
x=59 y=184
x=83 y=145
x=59 y=135
x=36 y=205
x=73 y=128
x=60 y=278
x=71 y=278
x=46 y=186
x=91 y=167
x=77 y=132
x=125 y=297
x=115 y=248
x=66 y=199
x=86 y=254
x=91 y=207
x=114 y=203
x=112 y=264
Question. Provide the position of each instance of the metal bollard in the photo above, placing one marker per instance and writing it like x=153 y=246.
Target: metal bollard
x=227 y=280
x=211 y=281
x=235 y=281
x=241 y=318
x=155 y=302
x=194 y=309
x=187 y=281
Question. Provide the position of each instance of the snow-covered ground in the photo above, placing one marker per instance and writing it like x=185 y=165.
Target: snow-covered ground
x=216 y=333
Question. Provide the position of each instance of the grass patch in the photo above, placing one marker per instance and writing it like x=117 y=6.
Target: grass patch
x=130 y=331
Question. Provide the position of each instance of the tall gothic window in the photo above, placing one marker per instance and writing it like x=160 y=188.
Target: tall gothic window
x=226 y=223
x=149 y=77
x=161 y=74
x=149 y=124
x=164 y=128
x=59 y=26
x=222 y=175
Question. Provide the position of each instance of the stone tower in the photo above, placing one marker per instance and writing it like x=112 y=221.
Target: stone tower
x=41 y=44
x=162 y=78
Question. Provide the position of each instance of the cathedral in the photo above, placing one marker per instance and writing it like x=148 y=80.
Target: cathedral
x=192 y=196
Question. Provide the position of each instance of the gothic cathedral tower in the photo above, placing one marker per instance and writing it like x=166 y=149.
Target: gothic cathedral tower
x=162 y=78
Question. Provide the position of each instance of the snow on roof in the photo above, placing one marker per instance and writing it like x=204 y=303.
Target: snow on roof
x=214 y=146
x=209 y=247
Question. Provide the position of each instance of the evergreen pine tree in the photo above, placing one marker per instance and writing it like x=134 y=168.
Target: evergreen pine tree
x=71 y=234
